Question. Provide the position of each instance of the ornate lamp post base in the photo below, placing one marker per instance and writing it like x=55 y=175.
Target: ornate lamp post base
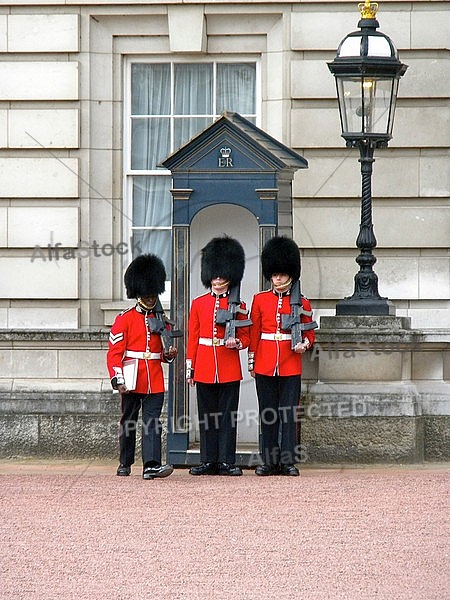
x=365 y=299
x=370 y=307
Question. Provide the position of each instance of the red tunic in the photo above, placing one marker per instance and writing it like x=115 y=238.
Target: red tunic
x=273 y=357
x=130 y=331
x=213 y=363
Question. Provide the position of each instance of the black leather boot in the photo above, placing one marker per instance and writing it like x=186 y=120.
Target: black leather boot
x=207 y=468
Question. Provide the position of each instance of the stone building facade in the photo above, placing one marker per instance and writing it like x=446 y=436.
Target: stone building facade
x=70 y=190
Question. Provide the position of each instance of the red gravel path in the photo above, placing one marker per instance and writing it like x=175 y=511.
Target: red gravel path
x=75 y=530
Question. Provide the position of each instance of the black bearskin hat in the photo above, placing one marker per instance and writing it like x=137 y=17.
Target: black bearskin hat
x=280 y=255
x=145 y=276
x=222 y=257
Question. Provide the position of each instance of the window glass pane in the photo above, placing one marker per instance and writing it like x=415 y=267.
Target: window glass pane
x=154 y=242
x=393 y=103
x=379 y=104
x=152 y=202
x=150 y=142
x=236 y=88
x=150 y=89
x=193 y=85
x=350 y=104
x=186 y=128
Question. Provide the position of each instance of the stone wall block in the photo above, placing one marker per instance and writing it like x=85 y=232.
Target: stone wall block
x=43 y=128
x=39 y=177
x=51 y=225
x=39 y=81
x=43 y=33
x=68 y=435
x=364 y=440
x=44 y=278
x=19 y=435
x=437 y=438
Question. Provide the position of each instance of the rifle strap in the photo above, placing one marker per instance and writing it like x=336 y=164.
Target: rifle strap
x=308 y=326
x=296 y=301
x=234 y=297
x=243 y=322
x=160 y=315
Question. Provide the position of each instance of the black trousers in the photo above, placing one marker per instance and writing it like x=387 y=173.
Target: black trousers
x=217 y=405
x=151 y=427
x=278 y=399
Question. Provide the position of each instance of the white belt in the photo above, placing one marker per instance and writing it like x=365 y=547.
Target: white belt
x=146 y=355
x=276 y=337
x=211 y=341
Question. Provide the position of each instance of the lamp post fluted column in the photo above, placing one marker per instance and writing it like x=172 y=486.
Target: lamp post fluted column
x=365 y=298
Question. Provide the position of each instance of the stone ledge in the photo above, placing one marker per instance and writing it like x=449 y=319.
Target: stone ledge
x=59 y=403
x=414 y=338
x=11 y=385
x=387 y=399
x=358 y=400
x=383 y=323
x=355 y=336
x=59 y=335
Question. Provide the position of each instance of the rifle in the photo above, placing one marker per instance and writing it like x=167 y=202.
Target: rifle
x=229 y=317
x=293 y=322
x=159 y=324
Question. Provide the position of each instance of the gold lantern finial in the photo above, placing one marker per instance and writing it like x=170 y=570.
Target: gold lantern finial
x=368 y=9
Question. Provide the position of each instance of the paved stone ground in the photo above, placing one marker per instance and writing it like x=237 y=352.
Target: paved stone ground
x=73 y=530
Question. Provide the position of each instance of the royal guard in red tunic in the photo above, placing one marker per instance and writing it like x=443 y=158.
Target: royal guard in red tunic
x=218 y=329
x=282 y=331
x=136 y=351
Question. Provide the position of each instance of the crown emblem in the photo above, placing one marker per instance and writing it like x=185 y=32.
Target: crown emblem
x=225 y=152
x=368 y=10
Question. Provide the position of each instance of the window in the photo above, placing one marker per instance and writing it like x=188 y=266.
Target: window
x=168 y=104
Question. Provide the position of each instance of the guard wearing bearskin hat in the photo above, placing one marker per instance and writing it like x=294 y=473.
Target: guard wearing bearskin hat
x=134 y=358
x=218 y=329
x=281 y=333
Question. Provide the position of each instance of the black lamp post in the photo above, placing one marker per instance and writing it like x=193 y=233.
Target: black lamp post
x=367 y=71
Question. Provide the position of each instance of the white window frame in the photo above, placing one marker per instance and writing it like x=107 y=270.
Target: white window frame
x=129 y=173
